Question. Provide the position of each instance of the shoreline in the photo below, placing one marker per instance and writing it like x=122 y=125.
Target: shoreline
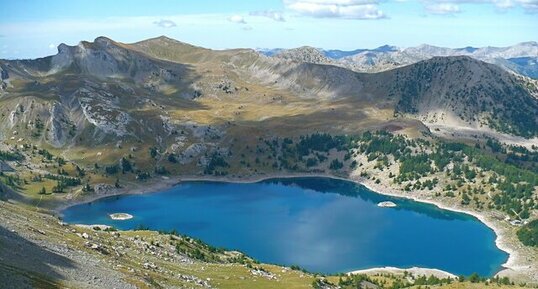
x=500 y=236
x=513 y=262
x=417 y=271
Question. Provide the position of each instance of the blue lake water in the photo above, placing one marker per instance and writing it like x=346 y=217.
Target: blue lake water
x=321 y=224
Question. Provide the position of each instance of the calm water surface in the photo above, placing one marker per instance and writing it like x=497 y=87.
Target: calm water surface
x=321 y=224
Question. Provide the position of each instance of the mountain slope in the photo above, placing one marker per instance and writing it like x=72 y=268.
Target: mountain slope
x=465 y=90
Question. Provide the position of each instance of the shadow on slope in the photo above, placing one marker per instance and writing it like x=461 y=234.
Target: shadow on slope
x=24 y=264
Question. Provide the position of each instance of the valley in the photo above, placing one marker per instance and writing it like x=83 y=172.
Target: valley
x=104 y=118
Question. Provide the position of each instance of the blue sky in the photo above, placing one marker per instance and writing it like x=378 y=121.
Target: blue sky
x=33 y=28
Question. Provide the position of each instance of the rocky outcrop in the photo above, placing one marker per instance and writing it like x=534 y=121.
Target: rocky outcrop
x=105 y=58
x=3 y=76
x=63 y=59
x=99 y=110
x=305 y=54
x=60 y=126
x=191 y=153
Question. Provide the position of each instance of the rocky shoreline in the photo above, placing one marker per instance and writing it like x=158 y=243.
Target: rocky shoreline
x=516 y=265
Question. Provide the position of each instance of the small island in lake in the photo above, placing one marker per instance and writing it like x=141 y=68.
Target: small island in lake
x=120 y=216
x=386 y=204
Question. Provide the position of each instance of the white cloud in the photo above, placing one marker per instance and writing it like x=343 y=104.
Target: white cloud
x=504 y=4
x=165 y=23
x=453 y=6
x=346 y=9
x=52 y=46
x=442 y=8
x=530 y=6
x=237 y=19
x=275 y=15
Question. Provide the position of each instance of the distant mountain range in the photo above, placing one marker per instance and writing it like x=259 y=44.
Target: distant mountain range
x=520 y=58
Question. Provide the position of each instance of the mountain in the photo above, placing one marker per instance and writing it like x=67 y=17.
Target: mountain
x=434 y=91
x=511 y=58
x=519 y=50
x=331 y=53
x=172 y=94
x=304 y=54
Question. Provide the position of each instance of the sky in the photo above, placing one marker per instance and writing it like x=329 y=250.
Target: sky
x=34 y=28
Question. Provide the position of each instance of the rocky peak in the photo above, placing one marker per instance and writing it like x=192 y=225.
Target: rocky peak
x=63 y=59
x=426 y=50
x=304 y=54
x=63 y=48
x=386 y=48
x=166 y=38
x=102 y=40
x=166 y=42
x=100 y=58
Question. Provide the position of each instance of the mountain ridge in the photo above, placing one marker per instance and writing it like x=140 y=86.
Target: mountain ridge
x=82 y=91
x=389 y=57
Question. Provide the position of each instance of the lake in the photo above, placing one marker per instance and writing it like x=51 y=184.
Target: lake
x=321 y=224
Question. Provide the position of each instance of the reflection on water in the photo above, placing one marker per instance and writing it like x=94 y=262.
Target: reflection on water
x=352 y=189
x=322 y=224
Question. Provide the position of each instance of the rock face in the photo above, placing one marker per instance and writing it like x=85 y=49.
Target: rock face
x=60 y=124
x=189 y=154
x=83 y=96
x=105 y=58
x=3 y=75
x=63 y=59
x=100 y=110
